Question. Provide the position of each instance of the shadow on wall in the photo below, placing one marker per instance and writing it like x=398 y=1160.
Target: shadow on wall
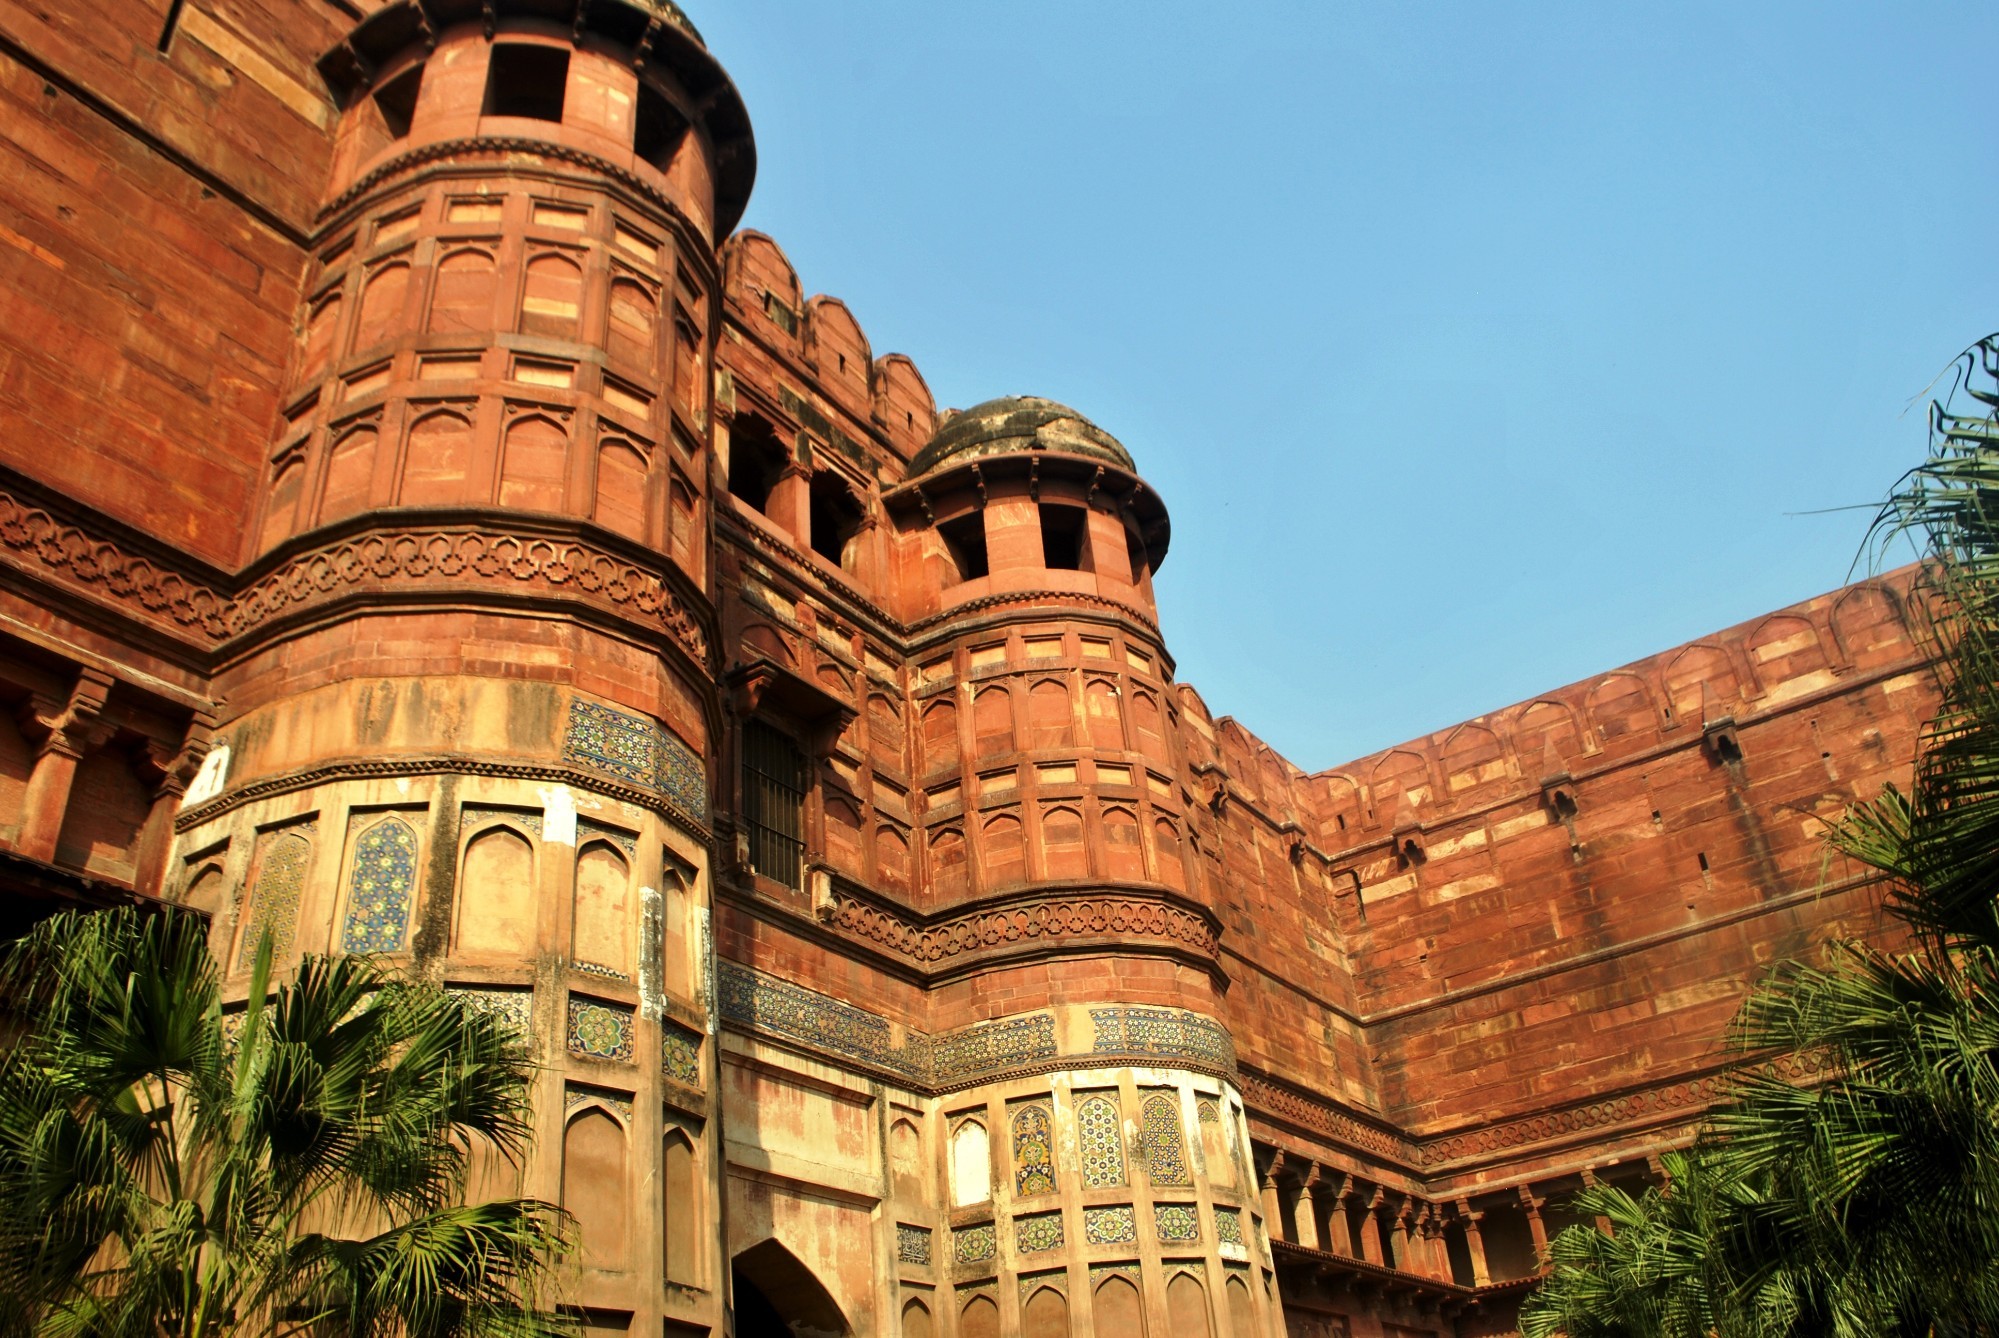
x=778 y=1297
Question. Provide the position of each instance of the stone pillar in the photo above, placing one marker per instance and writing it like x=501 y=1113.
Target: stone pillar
x=791 y=502
x=1339 y=1238
x=1307 y=1219
x=1400 y=1254
x=1370 y=1229
x=1481 y=1272
x=65 y=730
x=1273 y=1207
x=1532 y=1207
x=172 y=770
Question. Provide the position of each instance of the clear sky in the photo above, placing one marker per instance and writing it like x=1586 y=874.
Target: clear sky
x=1475 y=348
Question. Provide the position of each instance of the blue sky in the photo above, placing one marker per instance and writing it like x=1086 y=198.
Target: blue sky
x=1474 y=348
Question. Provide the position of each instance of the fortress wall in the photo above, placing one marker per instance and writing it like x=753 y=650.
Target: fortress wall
x=151 y=247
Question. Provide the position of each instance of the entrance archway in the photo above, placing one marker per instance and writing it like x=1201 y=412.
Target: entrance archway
x=778 y=1297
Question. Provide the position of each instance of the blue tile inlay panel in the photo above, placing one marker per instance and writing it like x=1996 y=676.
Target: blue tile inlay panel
x=382 y=886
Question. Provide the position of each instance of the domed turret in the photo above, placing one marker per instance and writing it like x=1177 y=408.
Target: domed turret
x=1018 y=423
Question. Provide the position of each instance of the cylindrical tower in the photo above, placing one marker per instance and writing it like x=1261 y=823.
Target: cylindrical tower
x=470 y=693
x=1090 y=1145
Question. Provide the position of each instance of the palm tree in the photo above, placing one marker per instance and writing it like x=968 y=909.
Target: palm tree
x=169 y=1169
x=1850 y=1183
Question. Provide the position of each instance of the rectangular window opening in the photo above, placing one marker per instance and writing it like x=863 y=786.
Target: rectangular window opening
x=660 y=128
x=965 y=540
x=528 y=81
x=774 y=781
x=1063 y=531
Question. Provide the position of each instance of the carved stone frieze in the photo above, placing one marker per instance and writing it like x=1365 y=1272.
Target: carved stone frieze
x=385 y=560
x=1084 y=916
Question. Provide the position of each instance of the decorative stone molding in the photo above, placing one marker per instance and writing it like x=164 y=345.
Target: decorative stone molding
x=1054 y=918
x=389 y=768
x=984 y=1052
x=411 y=560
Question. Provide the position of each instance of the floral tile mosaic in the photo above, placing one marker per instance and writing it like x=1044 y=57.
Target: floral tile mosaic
x=576 y=1097
x=1228 y=1225
x=381 y=888
x=600 y=1030
x=1176 y=1222
x=756 y=1000
x=1110 y=1226
x=912 y=1243
x=275 y=896
x=974 y=1244
x=680 y=1055
x=1033 y=1150
x=470 y=819
x=587 y=830
x=1100 y=1141
x=516 y=1006
x=1206 y=1110
x=1165 y=1033
x=1165 y=1150
x=1098 y=1272
x=1037 y=1232
x=637 y=749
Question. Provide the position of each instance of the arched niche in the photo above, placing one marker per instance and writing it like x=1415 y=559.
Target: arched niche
x=777 y=1296
x=496 y=895
x=971 y=1164
x=1118 y=1311
x=601 y=929
x=596 y=1186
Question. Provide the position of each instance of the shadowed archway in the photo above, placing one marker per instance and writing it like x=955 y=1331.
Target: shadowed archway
x=778 y=1297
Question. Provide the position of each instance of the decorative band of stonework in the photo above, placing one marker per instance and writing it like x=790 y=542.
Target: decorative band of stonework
x=415 y=559
x=637 y=749
x=982 y=1052
x=1123 y=915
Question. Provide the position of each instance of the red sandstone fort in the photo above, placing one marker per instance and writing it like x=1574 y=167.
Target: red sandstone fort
x=430 y=527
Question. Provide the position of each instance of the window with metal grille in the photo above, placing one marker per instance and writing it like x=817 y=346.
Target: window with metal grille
x=774 y=803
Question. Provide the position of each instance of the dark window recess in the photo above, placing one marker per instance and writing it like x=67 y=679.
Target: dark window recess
x=1134 y=551
x=755 y=461
x=774 y=803
x=526 y=81
x=965 y=540
x=836 y=518
x=660 y=128
x=396 y=100
x=1062 y=533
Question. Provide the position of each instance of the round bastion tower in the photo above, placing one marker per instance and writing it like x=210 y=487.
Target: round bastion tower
x=470 y=698
x=1091 y=1167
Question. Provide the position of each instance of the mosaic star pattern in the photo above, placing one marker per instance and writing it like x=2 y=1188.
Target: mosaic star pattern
x=1228 y=1225
x=516 y=1006
x=600 y=1030
x=381 y=888
x=1165 y=1151
x=680 y=1055
x=974 y=1244
x=1033 y=1150
x=1115 y=1225
x=1176 y=1222
x=1038 y=1232
x=1164 y=1033
x=756 y=1000
x=274 y=899
x=635 y=749
x=1101 y=1141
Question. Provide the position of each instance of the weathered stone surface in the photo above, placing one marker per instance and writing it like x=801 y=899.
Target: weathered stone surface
x=422 y=530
